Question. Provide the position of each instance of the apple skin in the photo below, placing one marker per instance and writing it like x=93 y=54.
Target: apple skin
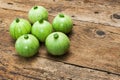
x=37 y=13
x=27 y=45
x=57 y=43
x=19 y=27
x=62 y=23
x=41 y=29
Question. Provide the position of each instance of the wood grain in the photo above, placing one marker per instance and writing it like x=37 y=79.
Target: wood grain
x=14 y=67
x=94 y=46
x=84 y=10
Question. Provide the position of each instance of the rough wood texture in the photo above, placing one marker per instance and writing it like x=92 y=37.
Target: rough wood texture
x=95 y=42
x=83 y=10
x=13 y=67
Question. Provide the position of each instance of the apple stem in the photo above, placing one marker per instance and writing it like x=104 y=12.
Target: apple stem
x=56 y=35
x=26 y=36
x=35 y=7
x=61 y=15
x=40 y=21
x=17 y=20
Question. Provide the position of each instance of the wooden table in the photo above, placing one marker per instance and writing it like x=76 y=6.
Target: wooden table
x=95 y=42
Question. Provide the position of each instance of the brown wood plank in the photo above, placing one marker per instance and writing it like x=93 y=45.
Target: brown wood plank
x=84 y=10
x=13 y=67
x=88 y=48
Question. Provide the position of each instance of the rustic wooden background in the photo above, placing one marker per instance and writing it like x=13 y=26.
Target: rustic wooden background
x=95 y=42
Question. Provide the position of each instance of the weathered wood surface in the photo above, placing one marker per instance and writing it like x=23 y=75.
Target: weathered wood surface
x=99 y=11
x=13 y=67
x=95 y=42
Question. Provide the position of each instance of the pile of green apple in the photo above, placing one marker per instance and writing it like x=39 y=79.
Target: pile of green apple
x=29 y=34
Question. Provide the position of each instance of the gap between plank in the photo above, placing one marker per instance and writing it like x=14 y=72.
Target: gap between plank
x=74 y=64
x=108 y=72
x=105 y=24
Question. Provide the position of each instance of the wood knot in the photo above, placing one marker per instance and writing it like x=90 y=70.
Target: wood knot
x=96 y=12
x=73 y=16
x=10 y=3
x=0 y=21
x=74 y=24
x=115 y=17
x=100 y=33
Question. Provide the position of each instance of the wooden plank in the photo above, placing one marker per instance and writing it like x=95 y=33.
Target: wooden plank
x=14 y=67
x=84 y=10
x=93 y=46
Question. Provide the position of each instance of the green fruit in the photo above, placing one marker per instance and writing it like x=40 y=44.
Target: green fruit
x=62 y=23
x=57 y=43
x=37 y=13
x=41 y=29
x=27 y=45
x=19 y=27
